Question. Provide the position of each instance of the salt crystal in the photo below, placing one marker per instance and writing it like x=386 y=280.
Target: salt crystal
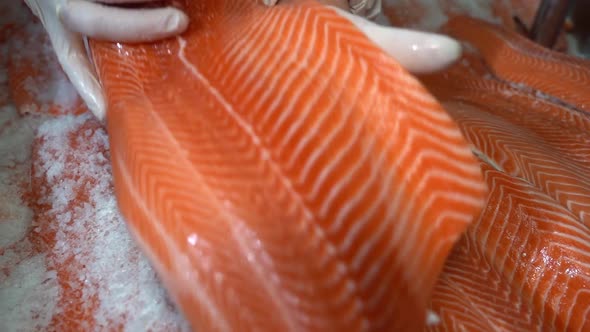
x=28 y=297
x=15 y=219
x=193 y=239
x=114 y=270
x=64 y=93
x=15 y=139
x=432 y=318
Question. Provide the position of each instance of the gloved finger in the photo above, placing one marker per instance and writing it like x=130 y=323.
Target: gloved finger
x=74 y=61
x=71 y=54
x=102 y=22
x=418 y=52
x=365 y=8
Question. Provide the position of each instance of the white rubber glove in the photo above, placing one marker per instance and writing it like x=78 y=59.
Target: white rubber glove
x=68 y=22
x=418 y=52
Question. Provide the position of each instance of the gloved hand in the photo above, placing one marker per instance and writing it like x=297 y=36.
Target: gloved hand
x=68 y=21
x=418 y=52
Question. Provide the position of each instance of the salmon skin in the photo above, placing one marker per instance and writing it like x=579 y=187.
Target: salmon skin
x=283 y=173
x=524 y=264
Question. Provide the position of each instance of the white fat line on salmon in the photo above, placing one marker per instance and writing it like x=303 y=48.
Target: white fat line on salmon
x=236 y=234
x=183 y=261
x=353 y=136
x=289 y=91
x=288 y=66
x=414 y=165
x=249 y=60
x=244 y=53
x=265 y=154
x=309 y=107
x=483 y=157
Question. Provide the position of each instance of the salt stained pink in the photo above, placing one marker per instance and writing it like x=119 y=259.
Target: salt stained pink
x=63 y=266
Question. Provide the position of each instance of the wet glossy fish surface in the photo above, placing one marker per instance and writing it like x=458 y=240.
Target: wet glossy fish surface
x=524 y=265
x=298 y=180
x=271 y=169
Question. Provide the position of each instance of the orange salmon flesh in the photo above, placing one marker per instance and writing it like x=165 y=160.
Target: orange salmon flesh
x=271 y=169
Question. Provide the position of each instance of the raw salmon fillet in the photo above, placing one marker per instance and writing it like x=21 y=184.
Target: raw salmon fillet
x=67 y=264
x=524 y=265
x=283 y=173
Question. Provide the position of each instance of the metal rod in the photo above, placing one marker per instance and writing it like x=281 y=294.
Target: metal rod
x=549 y=21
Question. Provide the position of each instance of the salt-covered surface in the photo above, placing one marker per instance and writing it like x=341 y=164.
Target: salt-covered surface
x=28 y=289
x=92 y=245
x=15 y=137
x=33 y=49
x=65 y=252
